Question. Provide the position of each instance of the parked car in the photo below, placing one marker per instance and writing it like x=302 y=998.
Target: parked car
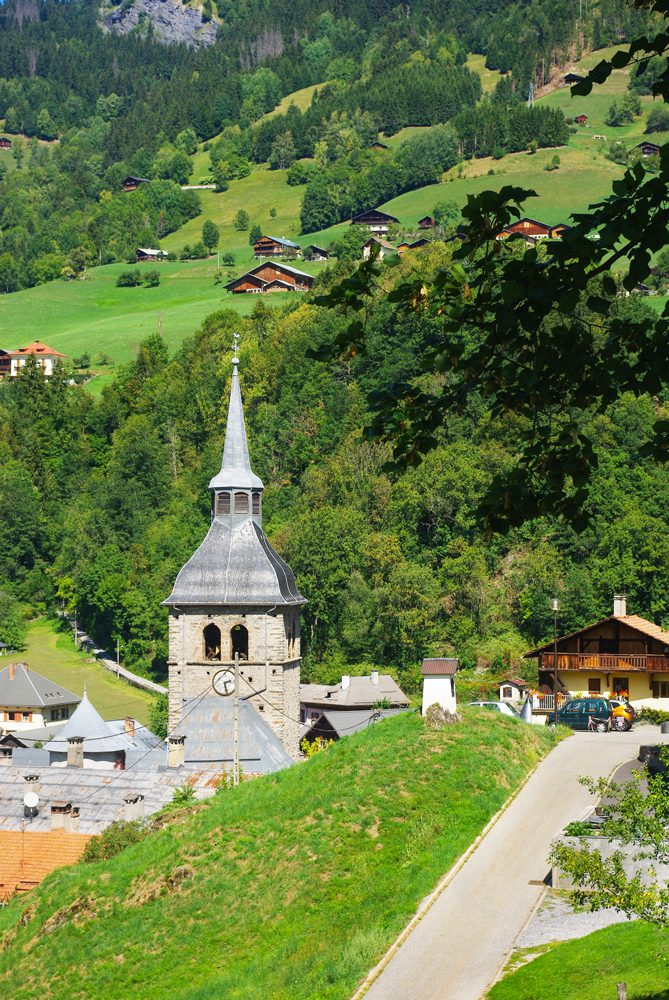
x=586 y=713
x=623 y=714
x=496 y=706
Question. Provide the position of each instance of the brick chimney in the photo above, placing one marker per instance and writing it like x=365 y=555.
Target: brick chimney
x=129 y=725
x=75 y=751
x=620 y=605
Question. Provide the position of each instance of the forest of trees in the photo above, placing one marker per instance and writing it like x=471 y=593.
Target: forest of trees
x=101 y=502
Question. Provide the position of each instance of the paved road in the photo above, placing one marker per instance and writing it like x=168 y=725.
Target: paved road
x=456 y=950
x=105 y=661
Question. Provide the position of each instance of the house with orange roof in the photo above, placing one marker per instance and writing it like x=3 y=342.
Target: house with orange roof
x=620 y=656
x=44 y=356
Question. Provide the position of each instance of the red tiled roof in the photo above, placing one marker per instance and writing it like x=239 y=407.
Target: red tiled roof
x=37 y=348
x=632 y=621
x=439 y=667
x=42 y=853
x=515 y=680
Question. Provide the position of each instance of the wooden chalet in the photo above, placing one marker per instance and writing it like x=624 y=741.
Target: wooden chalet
x=132 y=183
x=375 y=220
x=416 y=245
x=532 y=230
x=427 y=222
x=5 y=143
x=385 y=248
x=143 y=253
x=271 y=276
x=316 y=253
x=619 y=654
x=581 y=119
x=573 y=78
x=272 y=246
x=5 y=362
x=647 y=148
x=378 y=145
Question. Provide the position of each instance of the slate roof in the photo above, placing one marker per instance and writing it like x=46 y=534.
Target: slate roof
x=346 y=723
x=28 y=689
x=98 y=793
x=100 y=736
x=435 y=667
x=39 y=734
x=236 y=465
x=208 y=723
x=632 y=621
x=360 y=693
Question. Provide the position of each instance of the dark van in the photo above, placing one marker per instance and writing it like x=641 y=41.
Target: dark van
x=586 y=713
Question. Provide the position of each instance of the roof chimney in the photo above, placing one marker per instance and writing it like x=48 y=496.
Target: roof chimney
x=375 y=677
x=176 y=751
x=75 y=751
x=620 y=605
x=129 y=725
x=345 y=681
x=12 y=668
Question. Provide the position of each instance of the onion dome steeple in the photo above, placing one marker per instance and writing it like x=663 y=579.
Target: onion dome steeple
x=235 y=564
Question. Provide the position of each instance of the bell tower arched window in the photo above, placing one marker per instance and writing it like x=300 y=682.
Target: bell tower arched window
x=239 y=637
x=212 y=642
x=241 y=503
x=222 y=503
x=255 y=503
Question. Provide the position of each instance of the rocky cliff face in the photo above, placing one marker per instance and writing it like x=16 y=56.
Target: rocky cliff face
x=171 y=20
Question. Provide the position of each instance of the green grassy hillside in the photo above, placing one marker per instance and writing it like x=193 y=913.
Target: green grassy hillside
x=291 y=886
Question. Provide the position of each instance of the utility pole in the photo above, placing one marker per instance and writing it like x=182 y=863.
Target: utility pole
x=555 y=605
x=235 y=763
x=75 y=628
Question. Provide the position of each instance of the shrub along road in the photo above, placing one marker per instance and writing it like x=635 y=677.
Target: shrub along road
x=457 y=949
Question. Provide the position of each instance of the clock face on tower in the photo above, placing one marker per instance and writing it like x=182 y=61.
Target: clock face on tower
x=223 y=682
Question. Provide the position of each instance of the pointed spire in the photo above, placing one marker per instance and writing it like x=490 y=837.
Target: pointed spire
x=236 y=466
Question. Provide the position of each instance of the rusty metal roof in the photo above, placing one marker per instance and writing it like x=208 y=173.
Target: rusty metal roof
x=439 y=667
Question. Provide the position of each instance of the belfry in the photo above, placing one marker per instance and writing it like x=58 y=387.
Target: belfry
x=236 y=595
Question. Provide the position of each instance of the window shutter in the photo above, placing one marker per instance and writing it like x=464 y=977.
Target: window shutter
x=223 y=501
x=241 y=503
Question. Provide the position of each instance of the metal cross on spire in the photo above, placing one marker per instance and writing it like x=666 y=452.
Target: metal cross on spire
x=235 y=360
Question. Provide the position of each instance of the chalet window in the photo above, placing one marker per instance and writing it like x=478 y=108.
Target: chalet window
x=222 y=503
x=54 y=714
x=240 y=641
x=212 y=642
x=507 y=693
x=255 y=502
x=241 y=503
x=594 y=685
x=621 y=684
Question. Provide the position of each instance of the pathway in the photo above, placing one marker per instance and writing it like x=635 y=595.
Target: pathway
x=105 y=661
x=456 y=950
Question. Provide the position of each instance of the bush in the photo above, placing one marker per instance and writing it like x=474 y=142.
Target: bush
x=83 y=362
x=184 y=795
x=199 y=250
x=158 y=714
x=655 y=715
x=129 y=279
x=152 y=278
x=172 y=256
x=113 y=840
x=658 y=120
x=228 y=259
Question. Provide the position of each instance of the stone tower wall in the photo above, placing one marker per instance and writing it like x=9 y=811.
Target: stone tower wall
x=279 y=704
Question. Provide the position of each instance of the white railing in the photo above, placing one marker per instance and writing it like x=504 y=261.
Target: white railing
x=547 y=701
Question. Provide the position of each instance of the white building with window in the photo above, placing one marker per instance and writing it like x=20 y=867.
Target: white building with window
x=28 y=700
x=439 y=683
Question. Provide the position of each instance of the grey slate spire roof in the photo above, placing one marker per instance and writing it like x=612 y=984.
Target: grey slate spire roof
x=236 y=468
x=235 y=564
x=100 y=736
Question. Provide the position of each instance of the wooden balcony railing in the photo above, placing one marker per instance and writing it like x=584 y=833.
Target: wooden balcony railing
x=618 y=663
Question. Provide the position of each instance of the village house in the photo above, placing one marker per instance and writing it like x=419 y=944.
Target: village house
x=132 y=183
x=513 y=689
x=142 y=253
x=44 y=356
x=532 y=230
x=620 y=656
x=573 y=78
x=581 y=119
x=375 y=220
x=384 y=246
x=271 y=276
x=236 y=596
x=427 y=222
x=351 y=694
x=647 y=148
x=5 y=143
x=28 y=700
x=312 y=252
x=438 y=675
x=272 y=246
x=405 y=245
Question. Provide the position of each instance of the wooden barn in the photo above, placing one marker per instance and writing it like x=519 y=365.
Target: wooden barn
x=427 y=222
x=5 y=143
x=533 y=230
x=573 y=78
x=415 y=245
x=375 y=220
x=271 y=277
x=581 y=119
x=272 y=246
x=132 y=183
x=316 y=253
x=378 y=145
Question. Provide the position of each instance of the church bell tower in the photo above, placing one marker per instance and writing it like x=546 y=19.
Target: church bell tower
x=236 y=595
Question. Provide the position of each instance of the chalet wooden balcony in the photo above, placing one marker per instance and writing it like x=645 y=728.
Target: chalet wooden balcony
x=610 y=663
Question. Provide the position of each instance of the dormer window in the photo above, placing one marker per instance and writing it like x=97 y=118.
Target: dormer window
x=241 y=503
x=222 y=503
x=255 y=503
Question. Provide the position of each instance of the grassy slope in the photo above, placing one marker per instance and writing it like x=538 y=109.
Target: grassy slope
x=54 y=655
x=301 y=880
x=590 y=967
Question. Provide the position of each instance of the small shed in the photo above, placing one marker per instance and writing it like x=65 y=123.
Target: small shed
x=317 y=253
x=573 y=78
x=132 y=183
x=513 y=689
x=427 y=222
x=438 y=676
x=377 y=145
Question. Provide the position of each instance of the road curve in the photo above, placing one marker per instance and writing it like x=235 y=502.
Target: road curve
x=457 y=948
